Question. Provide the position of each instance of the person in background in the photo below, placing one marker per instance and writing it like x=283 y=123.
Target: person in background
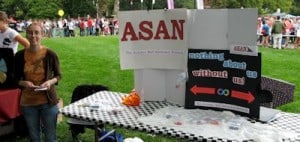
x=270 y=23
x=53 y=27
x=10 y=38
x=287 y=31
x=37 y=71
x=90 y=24
x=277 y=30
x=258 y=30
x=71 y=25
x=116 y=28
x=111 y=26
x=12 y=23
x=66 y=28
x=297 y=33
x=265 y=33
x=82 y=27
x=97 y=27
x=60 y=27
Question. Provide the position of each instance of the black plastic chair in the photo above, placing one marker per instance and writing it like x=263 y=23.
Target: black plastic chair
x=78 y=126
x=266 y=97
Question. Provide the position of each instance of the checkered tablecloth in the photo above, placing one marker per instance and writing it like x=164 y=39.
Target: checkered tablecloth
x=127 y=117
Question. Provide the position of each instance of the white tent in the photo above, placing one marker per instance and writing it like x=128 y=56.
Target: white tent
x=282 y=15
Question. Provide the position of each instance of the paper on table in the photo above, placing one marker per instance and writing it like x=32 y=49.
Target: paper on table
x=219 y=124
x=103 y=105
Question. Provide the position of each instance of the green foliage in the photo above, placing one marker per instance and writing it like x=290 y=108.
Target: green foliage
x=284 y=5
x=12 y=7
x=26 y=9
x=42 y=9
x=295 y=8
x=189 y=4
x=159 y=4
x=264 y=6
x=74 y=8
x=283 y=64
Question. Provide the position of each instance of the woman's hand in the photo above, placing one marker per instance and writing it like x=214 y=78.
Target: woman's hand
x=47 y=84
x=27 y=84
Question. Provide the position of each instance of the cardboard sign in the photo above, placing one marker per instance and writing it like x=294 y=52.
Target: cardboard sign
x=223 y=81
x=154 y=39
x=224 y=29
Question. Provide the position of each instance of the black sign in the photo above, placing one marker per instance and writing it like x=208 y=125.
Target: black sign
x=223 y=81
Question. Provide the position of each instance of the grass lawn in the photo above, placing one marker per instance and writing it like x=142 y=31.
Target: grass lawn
x=95 y=60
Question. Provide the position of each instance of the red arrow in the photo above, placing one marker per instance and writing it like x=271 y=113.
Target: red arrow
x=205 y=90
x=243 y=96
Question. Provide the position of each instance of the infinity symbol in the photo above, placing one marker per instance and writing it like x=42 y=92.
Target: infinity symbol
x=223 y=92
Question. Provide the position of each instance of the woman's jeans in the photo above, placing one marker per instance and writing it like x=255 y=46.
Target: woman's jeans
x=41 y=118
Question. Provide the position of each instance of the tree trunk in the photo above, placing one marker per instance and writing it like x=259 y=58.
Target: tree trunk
x=116 y=7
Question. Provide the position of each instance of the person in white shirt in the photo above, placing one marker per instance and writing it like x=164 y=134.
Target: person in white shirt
x=71 y=25
x=10 y=38
x=60 y=26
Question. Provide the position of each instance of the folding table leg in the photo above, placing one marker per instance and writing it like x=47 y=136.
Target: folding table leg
x=96 y=133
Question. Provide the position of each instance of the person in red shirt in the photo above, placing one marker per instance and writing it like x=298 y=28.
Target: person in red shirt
x=82 y=27
x=90 y=25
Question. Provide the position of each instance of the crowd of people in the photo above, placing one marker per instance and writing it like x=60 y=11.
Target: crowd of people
x=278 y=32
x=87 y=26
x=271 y=30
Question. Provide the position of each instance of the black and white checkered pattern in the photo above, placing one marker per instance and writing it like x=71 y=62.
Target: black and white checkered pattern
x=128 y=117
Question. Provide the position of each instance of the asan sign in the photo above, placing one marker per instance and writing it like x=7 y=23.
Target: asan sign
x=223 y=81
x=154 y=39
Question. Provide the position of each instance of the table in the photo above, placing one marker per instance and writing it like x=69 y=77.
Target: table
x=127 y=117
x=9 y=104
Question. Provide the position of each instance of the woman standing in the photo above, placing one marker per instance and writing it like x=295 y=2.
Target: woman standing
x=37 y=71
x=9 y=38
x=266 y=34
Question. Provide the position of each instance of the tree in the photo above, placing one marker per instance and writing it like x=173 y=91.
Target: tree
x=31 y=8
x=75 y=8
x=296 y=8
x=109 y=7
x=263 y=6
x=14 y=8
x=41 y=9
x=159 y=4
x=116 y=6
x=272 y=6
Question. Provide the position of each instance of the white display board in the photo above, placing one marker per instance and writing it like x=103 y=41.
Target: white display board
x=223 y=29
x=159 y=85
x=208 y=29
x=154 y=39
x=241 y=36
x=157 y=62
